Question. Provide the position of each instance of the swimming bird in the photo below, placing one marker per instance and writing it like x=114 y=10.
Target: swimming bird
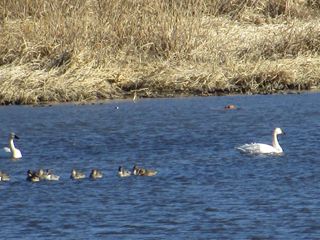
x=123 y=173
x=32 y=176
x=77 y=174
x=12 y=151
x=51 y=176
x=261 y=148
x=47 y=175
x=136 y=170
x=143 y=172
x=95 y=173
x=4 y=177
x=41 y=174
x=230 y=107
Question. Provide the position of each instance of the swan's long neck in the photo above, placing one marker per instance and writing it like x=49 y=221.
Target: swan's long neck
x=275 y=143
x=11 y=145
x=15 y=153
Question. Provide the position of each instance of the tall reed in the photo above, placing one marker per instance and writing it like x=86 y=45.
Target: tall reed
x=85 y=50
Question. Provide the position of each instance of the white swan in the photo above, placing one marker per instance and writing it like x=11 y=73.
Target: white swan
x=261 y=148
x=12 y=151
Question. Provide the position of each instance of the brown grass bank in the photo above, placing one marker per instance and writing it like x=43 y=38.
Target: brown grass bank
x=86 y=50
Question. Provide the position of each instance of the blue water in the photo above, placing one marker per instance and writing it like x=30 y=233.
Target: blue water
x=205 y=188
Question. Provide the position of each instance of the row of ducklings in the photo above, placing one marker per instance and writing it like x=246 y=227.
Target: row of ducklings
x=37 y=176
x=46 y=174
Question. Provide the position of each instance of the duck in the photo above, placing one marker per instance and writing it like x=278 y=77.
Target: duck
x=41 y=174
x=143 y=172
x=123 y=173
x=230 y=107
x=136 y=170
x=51 y=176
x=261 y=148
x=47 y=175
x=95 y=174
x=77 y=174
x=12 y=151
x=4 y=177
x=32 y=176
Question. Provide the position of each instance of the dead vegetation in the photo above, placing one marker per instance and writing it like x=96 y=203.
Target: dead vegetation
x=87 y=50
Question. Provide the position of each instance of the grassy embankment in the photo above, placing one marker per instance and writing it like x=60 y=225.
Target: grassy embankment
x=51 y=51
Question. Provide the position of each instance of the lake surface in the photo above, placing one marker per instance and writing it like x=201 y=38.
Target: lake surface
x=205 y=189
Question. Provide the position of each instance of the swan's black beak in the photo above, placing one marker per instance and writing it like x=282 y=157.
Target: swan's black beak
x=16 y=137
x=283 y=133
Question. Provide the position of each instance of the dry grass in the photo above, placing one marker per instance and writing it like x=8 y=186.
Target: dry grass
x=61 y=51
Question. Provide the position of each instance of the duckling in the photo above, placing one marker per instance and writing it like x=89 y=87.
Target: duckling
x=143 y=172
x=32 y=176
x=230 y=107
x=123 y=173
x=77 y=174
x=136 y=170
x=41 y=174
x=51 y=177
x=95 y=173
x=47 y=175
x=4 y=177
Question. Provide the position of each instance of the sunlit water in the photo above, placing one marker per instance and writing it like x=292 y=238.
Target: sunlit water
x=205 y=188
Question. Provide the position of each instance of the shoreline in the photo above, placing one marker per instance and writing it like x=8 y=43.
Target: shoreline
x=108 y=101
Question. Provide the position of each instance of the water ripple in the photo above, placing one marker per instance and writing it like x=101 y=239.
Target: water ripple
x=204 y=189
